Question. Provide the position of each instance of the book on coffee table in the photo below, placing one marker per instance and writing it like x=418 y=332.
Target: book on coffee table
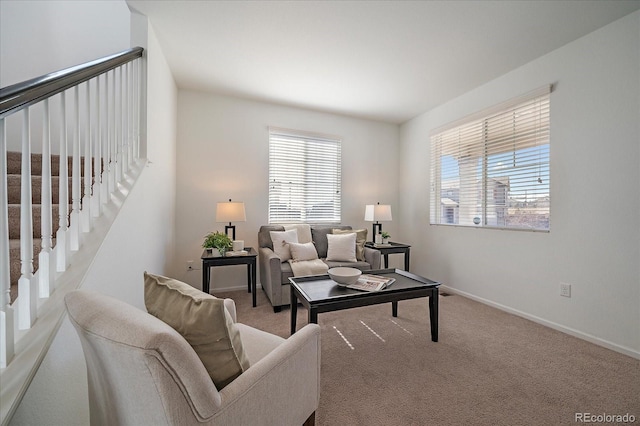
x=367 y=282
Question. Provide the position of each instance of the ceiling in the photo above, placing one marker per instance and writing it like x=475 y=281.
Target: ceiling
x=381 y=60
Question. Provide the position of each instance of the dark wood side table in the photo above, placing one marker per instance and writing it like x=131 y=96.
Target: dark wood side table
x=392 y=248
x=249 y=259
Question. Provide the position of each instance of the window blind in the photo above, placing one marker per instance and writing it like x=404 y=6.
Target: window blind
x=304 y=177
x=493 y=171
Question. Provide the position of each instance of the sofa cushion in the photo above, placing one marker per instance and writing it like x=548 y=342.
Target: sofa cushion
x=341 y=247
x=319 y=234
x=264 y=236
x=361 y=238
x=303 y=230
x=301 y=252
x=203 y=321
x=281 y=240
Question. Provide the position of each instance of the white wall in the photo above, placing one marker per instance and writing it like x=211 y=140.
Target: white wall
x=39 y=37
x=140 y=239
x=223 y=152
x=594 y=243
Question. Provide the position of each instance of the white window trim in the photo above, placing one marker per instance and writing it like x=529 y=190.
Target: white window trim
x=479 y=183
x=325 y=163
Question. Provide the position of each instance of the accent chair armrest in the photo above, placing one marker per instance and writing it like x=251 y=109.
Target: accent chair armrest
x=288 y=378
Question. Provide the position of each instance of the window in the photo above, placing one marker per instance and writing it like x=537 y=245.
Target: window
x=492 y=169
x=304 y=177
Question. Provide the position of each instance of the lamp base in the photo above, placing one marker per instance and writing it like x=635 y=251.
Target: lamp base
x=233 y=231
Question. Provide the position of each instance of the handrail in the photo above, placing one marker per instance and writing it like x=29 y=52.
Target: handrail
x=28 y=92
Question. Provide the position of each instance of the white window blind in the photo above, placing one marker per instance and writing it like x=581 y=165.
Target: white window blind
x=492 y=169
x=304 y=177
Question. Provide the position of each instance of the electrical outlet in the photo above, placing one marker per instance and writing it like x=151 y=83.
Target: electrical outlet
x=565 y=289
x=189 y=265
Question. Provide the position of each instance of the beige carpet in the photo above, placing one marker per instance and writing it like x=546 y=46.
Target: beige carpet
x=489 y=367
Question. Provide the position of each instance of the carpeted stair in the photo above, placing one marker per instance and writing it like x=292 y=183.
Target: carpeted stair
x=14 y=167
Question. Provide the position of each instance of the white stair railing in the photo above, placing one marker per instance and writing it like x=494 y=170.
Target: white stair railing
x=104 y=125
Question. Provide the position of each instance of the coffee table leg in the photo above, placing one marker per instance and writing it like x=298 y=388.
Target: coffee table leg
x=313 y=316
x=294 y=310
x=433 y=314
x=394 y=309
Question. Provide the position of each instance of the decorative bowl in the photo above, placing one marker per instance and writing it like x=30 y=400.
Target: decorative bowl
x=344 y=276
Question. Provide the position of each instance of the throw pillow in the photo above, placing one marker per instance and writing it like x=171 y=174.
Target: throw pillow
x=303 y=230
x=300 y=252
x=341 y=247
x=281 y=240
x=203 y=321
x=361 y=238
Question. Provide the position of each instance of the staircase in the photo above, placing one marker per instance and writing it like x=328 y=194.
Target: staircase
x=13 y=199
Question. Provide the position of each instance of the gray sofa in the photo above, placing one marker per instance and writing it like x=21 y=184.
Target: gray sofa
x=274 y=275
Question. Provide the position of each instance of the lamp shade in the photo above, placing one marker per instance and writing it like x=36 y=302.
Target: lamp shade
x=230 y=211
x=377 y=212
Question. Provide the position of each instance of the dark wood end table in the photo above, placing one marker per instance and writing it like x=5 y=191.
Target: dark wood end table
x=318 y=293
x=249 y=259
x=392 y=248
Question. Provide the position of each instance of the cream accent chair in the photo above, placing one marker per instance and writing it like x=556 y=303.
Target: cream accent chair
x=143 y=372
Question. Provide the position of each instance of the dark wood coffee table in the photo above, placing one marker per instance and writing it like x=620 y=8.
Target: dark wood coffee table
x=319 y=293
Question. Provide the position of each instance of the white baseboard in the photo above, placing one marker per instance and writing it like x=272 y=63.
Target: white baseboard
x=576 y=333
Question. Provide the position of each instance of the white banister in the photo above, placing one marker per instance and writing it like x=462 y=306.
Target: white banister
x=86 y=203
x=105 y=134
x=45 y=206
x=74 y=220
x=62 y=242
x=27 y=291
x=6 y=310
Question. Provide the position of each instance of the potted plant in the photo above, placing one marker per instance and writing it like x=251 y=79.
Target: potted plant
x=217 y=240
x=385 y=237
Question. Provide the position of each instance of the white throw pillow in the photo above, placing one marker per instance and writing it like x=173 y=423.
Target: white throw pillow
x=303 y=251
x=303 y=229
x=341 y=247
x=281 y=240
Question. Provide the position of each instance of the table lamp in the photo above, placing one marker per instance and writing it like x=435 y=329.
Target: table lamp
x=230 y=211
x=377 y=213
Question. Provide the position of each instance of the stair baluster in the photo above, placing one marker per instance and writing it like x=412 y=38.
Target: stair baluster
x=6 y=310
x=86 y=204
x=96 y=208
x=113 y=135
x=62 y=243
x=74 y=220
x=125 y=119
x=45 y=207
x=27 y=291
